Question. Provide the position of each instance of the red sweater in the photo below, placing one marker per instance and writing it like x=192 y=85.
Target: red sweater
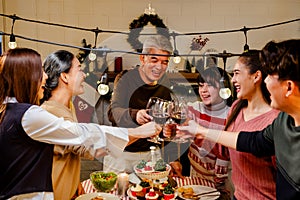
x=209 y=160
x=253 y=177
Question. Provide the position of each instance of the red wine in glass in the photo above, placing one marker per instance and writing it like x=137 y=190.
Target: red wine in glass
x=179 y=117
x=158 y=109
x=160 y=118
x=170 y=128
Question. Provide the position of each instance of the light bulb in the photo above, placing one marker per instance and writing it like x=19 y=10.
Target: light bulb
x=103 y=89
x=12 y=42
x=92 y=56
x=12 y=45
x=225 y=93
x=177 y=59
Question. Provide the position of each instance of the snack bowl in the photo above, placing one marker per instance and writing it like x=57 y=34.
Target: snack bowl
x=103 y=181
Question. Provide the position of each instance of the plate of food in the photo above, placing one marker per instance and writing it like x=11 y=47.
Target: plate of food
x=97 y=196
x=197 y=192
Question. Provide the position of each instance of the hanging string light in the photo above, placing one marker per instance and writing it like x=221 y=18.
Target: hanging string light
x=92 y=55
x=246 y=46
x=176 y=58
x=13 y=37
x=224 y=92
x=103 y=87
x=12 y=44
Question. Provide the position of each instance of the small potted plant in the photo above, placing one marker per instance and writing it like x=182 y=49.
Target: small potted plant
x=169 y=192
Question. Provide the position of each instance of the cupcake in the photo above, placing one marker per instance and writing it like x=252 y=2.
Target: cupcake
x=136 y=189
x=169 y=192
x=151 y=195
x=145 y=185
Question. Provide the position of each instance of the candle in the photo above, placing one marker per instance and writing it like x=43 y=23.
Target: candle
x=123 y=183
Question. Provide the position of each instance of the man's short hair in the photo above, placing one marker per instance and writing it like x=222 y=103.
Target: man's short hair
x=158 y=42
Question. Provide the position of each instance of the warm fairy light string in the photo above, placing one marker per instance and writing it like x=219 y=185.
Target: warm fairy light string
x=223 y=92
x=107 y=50
x=97 y=31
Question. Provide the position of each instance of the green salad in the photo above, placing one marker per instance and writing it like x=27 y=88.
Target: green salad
x=103 y=181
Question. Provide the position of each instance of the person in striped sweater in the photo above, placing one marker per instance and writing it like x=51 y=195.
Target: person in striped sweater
x=209 y=160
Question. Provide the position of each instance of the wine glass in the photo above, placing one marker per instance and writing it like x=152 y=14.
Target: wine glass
x=179 y=116
x=151 y=103
x=160 y=110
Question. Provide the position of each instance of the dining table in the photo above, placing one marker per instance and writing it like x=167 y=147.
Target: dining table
x=89 y=188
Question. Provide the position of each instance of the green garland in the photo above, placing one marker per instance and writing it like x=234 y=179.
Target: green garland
x=137 y=25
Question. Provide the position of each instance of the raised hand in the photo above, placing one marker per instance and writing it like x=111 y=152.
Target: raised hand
x=192 y=129
x=176 y=169
x=143 y=117
x=146 y=130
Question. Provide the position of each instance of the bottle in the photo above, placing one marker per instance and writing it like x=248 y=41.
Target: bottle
x=153 y=156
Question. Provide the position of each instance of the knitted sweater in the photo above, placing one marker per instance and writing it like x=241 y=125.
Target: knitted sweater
x=66 y=160
x=131 y=94
x=282 y=139
x=253 y=177
x=209 y=160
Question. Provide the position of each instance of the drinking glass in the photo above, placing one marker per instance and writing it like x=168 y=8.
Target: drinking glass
x=151 y=102
x=160 y=110
x=179 y=116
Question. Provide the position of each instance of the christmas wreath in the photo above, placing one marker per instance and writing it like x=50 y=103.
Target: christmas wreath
x=137 y=25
